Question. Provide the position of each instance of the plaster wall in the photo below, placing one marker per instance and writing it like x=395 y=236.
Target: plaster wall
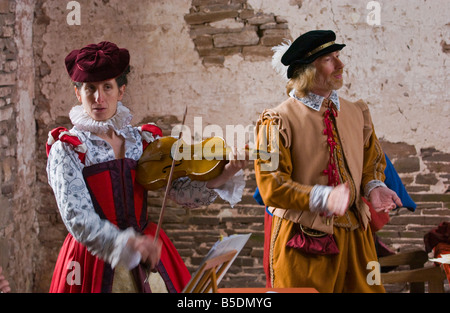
x=399 y=67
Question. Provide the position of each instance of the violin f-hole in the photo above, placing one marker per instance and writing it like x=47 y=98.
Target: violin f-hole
x=168 y=167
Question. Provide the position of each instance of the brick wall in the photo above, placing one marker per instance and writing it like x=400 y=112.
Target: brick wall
x=425 y=174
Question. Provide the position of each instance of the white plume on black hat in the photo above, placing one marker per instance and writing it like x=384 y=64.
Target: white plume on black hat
x=279 y=51
x=303 y=50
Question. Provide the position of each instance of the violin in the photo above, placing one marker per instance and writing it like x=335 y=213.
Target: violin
x=202 y=161
x=160 y=163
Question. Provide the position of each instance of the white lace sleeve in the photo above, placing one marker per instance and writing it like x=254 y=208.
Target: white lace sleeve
x=192 y=194
x=100 y=237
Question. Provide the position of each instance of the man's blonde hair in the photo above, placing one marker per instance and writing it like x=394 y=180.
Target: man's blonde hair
x=302 y=80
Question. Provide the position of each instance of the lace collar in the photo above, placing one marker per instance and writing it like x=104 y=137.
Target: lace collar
x=82 y=121
x=314 y=101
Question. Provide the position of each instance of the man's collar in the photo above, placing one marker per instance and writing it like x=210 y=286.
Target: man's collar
x=314 y=101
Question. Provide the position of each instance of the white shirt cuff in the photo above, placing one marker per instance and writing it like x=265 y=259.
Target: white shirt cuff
x=318 y=198
x=127 y=257
x=371 y=186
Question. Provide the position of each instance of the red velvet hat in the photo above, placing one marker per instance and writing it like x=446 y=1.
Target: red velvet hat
x=97 y=62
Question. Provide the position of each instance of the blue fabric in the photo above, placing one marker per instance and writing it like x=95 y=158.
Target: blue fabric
x=392 y=180
x=259 y=200
x=394 y=183
x=257 y=197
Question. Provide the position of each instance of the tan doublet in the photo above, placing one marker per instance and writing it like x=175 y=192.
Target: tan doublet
x=301 y=135
x=303 y=156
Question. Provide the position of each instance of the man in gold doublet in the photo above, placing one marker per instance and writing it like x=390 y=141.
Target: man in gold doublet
x=329 y=159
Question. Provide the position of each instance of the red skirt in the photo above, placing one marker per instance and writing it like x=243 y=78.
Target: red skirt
x=78 y=271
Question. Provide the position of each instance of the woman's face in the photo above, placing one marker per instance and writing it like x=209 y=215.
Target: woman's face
x=99 y=99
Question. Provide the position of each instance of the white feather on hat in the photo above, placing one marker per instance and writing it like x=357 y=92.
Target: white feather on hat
x=279 y=50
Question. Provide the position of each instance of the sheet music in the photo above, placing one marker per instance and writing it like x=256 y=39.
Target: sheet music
x=222 y=246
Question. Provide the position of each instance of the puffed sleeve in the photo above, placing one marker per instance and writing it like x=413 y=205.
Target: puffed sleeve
x=274 y=180
x=374 y=159
x=99 y=236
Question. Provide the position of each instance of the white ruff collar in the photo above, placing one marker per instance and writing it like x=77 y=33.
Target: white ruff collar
x=81 y=120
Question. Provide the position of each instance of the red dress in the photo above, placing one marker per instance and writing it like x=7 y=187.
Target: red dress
x=118 y=198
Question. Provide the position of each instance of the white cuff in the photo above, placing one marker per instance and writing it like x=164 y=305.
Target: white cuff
x=127 y=257
x=318 y=198
x=371 y=186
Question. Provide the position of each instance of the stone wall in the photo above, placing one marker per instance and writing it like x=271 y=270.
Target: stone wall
x=19 y=197
x=8 y=140
x=214 y=55
x=224 y=28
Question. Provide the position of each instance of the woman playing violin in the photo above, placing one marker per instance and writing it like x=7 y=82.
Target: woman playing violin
x=91 y=169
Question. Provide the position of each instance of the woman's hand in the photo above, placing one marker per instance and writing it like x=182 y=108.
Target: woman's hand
x=338 y=200
x=237 y=161
x=149 y=250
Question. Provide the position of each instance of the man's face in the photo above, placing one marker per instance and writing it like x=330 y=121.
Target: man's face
x=329 y=71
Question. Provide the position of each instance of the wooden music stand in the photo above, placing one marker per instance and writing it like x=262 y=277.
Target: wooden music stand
x=206 y=277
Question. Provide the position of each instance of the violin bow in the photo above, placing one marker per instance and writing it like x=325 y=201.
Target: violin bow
x=169 y=181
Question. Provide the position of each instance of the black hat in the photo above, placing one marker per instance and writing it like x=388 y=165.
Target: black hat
x=308 y=47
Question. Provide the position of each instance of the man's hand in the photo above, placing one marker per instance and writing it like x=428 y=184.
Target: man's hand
x=338 y=200
x=384 y=199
